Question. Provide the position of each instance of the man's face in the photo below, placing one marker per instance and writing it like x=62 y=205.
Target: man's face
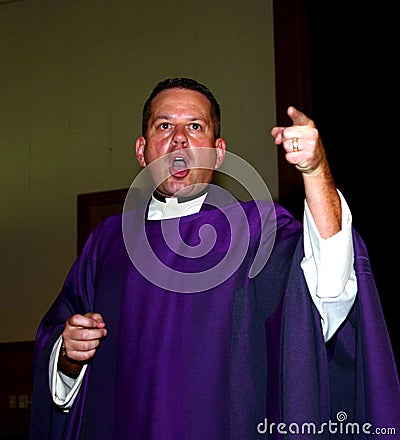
x=180 y=127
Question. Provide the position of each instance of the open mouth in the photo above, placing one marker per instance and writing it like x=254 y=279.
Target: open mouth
x=179 y=167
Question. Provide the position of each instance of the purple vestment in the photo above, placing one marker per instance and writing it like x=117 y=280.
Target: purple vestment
x=223 y=363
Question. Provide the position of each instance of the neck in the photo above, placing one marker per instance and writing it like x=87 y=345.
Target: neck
x=162 y=198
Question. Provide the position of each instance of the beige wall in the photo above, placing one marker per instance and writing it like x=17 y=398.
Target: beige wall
x=73 y=79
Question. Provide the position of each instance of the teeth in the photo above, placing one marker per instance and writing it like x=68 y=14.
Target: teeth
x=179 y=162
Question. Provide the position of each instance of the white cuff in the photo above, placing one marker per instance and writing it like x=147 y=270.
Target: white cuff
x=328 y=270
x=328 y=263
x=64 y=389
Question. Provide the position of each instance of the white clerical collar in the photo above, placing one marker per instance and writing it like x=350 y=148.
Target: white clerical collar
x=171 y=207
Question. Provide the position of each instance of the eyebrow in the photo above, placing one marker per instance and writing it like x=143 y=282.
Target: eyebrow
x=190 y=119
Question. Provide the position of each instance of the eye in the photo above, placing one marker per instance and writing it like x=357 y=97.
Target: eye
x=195 y=126
x=164 y=125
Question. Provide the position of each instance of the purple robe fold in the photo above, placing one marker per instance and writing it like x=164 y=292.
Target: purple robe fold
x=228 y=362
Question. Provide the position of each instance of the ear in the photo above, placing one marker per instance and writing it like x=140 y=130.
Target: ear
x=139 y=145
x=220 y=146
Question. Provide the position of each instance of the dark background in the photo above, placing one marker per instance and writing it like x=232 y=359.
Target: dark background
x=336 y=61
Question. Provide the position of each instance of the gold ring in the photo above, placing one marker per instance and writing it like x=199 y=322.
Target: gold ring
x=295 y=144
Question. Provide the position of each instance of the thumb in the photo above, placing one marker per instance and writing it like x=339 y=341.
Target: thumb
x=299 y=118
x=96 y=319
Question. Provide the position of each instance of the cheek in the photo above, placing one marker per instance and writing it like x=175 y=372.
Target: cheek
x=202 y=174
x=153 y=151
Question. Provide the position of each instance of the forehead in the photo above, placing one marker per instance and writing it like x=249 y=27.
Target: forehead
x=174 y=100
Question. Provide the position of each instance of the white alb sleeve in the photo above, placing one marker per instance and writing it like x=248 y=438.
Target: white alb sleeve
x=329 y=271
x=63 y=388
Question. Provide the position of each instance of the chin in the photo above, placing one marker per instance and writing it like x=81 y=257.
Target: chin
x=184 y=188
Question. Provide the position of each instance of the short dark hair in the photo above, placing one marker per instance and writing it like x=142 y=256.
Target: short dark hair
x=183 y=83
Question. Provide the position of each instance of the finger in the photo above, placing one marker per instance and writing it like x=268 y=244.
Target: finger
x=97 y=317
x=83 y=339
x=299 y=118
x=83 y=321
x=292 y=145
x=85 y=334
x=82 y=351
x=277 y=134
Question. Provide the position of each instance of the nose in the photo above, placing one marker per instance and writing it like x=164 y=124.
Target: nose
x=179 y=138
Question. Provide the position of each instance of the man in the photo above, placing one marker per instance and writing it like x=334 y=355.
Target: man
x=125 y=352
